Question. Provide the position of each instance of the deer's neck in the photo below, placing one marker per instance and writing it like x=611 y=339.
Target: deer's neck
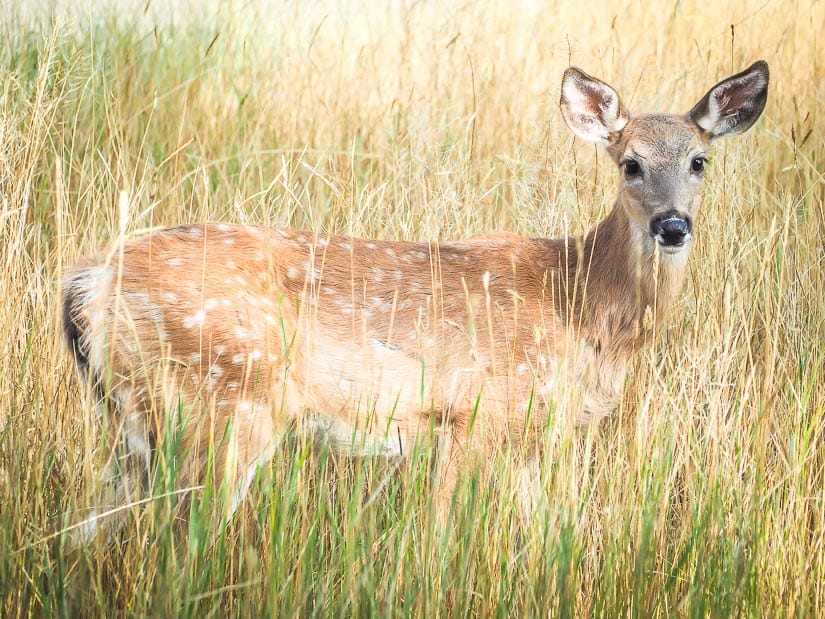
x=619 y=286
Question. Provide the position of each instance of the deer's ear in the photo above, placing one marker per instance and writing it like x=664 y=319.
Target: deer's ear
x=734 y=104
x=591 y=108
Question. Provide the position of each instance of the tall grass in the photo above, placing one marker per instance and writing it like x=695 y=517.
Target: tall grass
x=703 y=495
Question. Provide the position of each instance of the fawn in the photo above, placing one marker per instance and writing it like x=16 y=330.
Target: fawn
x=255 y=332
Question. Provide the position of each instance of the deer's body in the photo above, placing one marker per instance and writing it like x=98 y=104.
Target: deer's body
x=373 y=343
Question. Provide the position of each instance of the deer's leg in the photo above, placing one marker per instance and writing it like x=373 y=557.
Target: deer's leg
x=454 y=450
x=238 y=441
x=126 y=472
x=254 y=440
x=445 y=475
x=528 y=486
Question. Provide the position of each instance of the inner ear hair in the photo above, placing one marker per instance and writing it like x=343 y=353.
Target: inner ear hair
x=733 y=105
x=591 y=108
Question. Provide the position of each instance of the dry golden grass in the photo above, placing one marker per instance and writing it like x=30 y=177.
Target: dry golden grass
x=704 y=495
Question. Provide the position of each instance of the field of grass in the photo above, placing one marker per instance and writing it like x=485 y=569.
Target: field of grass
x=704 y=495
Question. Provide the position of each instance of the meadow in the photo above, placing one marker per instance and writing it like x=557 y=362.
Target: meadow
x=703 y=495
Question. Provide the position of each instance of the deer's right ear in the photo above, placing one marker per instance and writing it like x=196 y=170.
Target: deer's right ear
x=591 y=108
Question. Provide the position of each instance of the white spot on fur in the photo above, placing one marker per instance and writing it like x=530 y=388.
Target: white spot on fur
x=292 y=273
x=241 y=333
x=345 y=246
x=229 y=241
x=223 y=227
x=175 y=262
x=239 y=359
x=194 y=320
x=170 y=297
x=210 y=304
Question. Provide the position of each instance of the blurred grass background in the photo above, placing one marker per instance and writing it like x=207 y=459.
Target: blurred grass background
x=702 y=496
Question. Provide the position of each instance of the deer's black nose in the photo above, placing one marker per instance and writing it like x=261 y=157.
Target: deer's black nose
x=670 y=230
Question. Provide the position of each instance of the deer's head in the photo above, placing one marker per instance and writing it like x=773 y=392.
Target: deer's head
x=662 y=157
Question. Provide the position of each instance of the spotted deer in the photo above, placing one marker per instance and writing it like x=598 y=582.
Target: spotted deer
x=249 y=333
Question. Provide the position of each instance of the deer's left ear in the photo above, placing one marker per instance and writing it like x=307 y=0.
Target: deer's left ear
x=734 y=104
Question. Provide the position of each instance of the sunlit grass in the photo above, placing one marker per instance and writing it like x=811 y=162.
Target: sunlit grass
x=703 y=495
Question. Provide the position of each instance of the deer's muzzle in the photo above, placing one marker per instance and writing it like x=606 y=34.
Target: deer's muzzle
x=671 y=230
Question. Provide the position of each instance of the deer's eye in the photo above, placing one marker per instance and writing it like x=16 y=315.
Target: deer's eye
x=698 y=164
x=631 y=168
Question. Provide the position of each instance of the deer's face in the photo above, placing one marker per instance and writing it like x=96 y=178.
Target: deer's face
x=661 y=161
x=662 y=157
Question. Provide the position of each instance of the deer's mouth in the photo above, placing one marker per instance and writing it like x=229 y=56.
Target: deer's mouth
x=671 y=249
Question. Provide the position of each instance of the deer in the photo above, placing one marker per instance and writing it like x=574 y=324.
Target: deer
x=250 y=334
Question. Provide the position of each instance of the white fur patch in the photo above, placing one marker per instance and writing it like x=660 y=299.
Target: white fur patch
x=347 y=438
x=194 y=320
x=91 y=287
x=591 y=108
